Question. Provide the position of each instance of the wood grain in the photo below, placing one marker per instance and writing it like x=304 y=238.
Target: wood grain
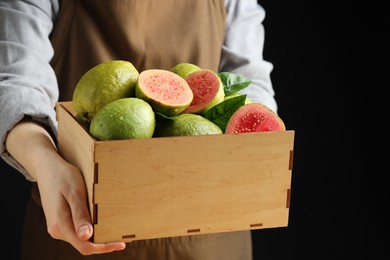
x=174 y=186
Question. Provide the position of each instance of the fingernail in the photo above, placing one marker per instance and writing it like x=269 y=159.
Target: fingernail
x=84 y=231
x=121 y=248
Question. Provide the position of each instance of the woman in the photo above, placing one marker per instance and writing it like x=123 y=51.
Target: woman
x=46 y=46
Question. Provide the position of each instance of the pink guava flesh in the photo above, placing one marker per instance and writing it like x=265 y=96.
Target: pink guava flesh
x=166 y=87
x=254 y=117
x=205 y=85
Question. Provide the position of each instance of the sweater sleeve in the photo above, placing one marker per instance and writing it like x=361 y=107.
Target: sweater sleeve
x=28 y=86
x=242 y=52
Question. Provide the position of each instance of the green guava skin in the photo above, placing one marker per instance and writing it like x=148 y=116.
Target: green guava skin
x=102 y=84
x=186 y=125
x=184 y=69
x=125 y=118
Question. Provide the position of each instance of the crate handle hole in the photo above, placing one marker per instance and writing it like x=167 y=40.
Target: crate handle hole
x=256 y=225
x=196 y=230
x=128 y=236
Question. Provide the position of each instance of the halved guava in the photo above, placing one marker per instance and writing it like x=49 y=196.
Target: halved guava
x=165 y=91
x=254 y=117
x=207 y=88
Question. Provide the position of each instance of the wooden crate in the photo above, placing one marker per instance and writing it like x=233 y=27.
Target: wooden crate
x=175 y=186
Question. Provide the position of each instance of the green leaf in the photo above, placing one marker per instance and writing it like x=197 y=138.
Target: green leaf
x=233 y=82
x=221 y=113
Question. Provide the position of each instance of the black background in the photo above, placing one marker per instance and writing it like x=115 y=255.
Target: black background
x=329 y=67
x=329 y=59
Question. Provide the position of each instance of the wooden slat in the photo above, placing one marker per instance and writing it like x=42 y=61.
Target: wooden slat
x=206 y=183
x=76 y=146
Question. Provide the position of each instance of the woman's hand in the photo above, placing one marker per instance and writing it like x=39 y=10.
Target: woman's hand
x=64 y=201
x=61 y=186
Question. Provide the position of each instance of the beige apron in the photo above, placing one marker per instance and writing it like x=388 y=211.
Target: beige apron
x=150 y=34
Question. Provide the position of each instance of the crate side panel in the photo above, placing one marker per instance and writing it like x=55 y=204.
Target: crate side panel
x=167 y=186
x=108 y=233
x=76 y=146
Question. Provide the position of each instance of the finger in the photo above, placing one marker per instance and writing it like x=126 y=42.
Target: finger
x=81 y=217
x=86 y=247
x=84 y=231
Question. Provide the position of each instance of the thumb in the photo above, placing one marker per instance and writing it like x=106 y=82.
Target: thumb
x=82 y=220
x=84 y=230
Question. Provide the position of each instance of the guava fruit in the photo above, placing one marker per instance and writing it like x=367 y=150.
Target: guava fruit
x=125 y=118
x=254 y=117
x=184 y=69
x=165 y=91
x=185 y=125
x=207 y=88
x=102 y=84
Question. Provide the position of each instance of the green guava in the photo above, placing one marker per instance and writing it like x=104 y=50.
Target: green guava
x=125 y=118
x=102 y=84
x=184 y=69
x=254 y=117
x=186 y=125
x=165 y=91
x=207 y=89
